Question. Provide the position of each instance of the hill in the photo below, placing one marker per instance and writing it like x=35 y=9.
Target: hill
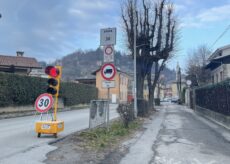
x=81 y=64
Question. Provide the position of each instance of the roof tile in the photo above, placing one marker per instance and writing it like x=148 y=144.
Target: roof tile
x=18 y=61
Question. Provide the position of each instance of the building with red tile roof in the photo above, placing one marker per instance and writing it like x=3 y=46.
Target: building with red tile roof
x=18 y=64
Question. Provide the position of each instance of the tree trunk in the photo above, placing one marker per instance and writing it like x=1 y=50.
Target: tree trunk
x=140 y=86
x=158 y=90
x=151 y=98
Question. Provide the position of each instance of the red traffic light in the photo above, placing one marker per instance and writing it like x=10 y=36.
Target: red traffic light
x=52 y=71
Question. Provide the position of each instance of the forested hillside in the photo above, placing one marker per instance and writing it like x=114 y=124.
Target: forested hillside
x=81 y=64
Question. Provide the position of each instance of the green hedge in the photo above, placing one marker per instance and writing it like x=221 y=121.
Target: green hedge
x=73 y=93
x=18 y=90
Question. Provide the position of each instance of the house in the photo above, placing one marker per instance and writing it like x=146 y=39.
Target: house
x=219 y=64
x=18 y=64
x=117 y=94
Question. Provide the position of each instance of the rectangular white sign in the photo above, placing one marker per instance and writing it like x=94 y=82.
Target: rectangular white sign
x=108 y=84
x=108 y=36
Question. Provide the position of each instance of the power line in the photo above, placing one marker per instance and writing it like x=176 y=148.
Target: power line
x=225 y=31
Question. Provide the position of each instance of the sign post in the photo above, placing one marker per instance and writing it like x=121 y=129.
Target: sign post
x=108 y=70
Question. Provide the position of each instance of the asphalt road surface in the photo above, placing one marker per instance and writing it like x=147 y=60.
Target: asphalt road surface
x=177 y=135
x=19 y=142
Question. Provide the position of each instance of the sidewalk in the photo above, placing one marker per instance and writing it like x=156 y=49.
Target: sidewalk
x=141 y=147
x=173 y=134
x=21 y=111
x=178 y=135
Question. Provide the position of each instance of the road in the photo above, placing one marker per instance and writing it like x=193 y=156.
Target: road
x=19 y=142
x=177 y=135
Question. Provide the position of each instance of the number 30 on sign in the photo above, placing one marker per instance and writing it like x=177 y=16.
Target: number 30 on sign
x=44 y=102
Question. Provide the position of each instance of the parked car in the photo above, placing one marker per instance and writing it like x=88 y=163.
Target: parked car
x=175 y=99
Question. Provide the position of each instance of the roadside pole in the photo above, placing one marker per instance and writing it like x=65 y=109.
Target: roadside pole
x=108 y=110
x=135 y=63
x=108 y=70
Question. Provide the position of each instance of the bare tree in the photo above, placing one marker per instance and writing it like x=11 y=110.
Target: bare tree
x=155 y=27
x=196 y=63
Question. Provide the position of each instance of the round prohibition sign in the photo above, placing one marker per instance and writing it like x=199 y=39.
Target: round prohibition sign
x=108 y=71
x=44 y=102
x=108 y=50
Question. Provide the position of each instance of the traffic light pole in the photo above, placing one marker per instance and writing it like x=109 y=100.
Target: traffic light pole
x=56 y=96
x=53 y=126
x=55 y=108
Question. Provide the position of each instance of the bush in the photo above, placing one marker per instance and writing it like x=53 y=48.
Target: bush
x=215 y=97
x=73 y=93
x=18 y=90
x=126 y=112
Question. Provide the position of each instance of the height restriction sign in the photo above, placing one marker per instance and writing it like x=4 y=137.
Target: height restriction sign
x=108 y=71
x=44 y=102
x=108 y=54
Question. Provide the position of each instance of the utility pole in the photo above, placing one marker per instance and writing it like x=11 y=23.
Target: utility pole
x=135 y=61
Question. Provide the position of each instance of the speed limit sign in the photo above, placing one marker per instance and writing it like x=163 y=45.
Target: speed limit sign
x=44 y=102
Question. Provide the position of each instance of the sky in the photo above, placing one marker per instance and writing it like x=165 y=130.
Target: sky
x=51 y=29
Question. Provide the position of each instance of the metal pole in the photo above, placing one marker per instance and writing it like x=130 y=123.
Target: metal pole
x=135 y=64
x=108 y=112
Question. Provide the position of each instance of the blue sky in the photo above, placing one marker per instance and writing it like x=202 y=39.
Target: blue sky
x=51 y=29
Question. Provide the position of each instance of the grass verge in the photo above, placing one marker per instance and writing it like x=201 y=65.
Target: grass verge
x=100 y=137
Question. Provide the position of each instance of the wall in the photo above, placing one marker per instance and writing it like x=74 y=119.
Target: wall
x=226 y=52
x=227 y=74
x=120 y=90
x=102 y=92
x=174 y=90
x=123 y=87
x=214 y=116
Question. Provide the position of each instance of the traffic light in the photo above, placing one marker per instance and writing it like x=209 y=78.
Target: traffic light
x=54 y=73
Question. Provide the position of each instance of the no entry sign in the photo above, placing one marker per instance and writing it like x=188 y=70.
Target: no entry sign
x=44 y=102
x=108 y=71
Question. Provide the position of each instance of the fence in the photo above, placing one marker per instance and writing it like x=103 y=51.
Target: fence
x=215 y=97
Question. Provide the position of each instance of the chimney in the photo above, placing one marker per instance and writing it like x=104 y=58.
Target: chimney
x=19 y=53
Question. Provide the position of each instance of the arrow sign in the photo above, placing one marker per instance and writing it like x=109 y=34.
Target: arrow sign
x=108 y=71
